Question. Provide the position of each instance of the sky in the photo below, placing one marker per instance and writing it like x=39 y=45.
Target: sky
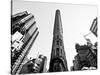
x=76 y=22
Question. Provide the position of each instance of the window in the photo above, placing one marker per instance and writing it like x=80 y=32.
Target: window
x=60 y=42
x=57 y=42
x=57 y=51
x=57 y=36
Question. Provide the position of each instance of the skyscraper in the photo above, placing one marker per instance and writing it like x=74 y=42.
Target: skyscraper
x=24 y=33
x=58 y=60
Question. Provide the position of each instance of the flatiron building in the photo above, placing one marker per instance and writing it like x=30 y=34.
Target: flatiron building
x=58 y=60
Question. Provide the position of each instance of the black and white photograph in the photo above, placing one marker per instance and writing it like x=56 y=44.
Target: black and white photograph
x=53 y=37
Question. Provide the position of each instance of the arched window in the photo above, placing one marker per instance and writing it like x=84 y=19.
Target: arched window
x=56 y=66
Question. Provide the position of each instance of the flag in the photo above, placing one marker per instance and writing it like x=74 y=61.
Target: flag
x=93 y=27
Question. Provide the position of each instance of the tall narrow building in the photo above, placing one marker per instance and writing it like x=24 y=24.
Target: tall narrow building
x=58 y=60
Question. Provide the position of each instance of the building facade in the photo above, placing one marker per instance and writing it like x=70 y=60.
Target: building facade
x=58 y=60
x=23 y=34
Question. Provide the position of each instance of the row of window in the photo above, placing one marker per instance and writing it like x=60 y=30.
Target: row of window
x=58 y=52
